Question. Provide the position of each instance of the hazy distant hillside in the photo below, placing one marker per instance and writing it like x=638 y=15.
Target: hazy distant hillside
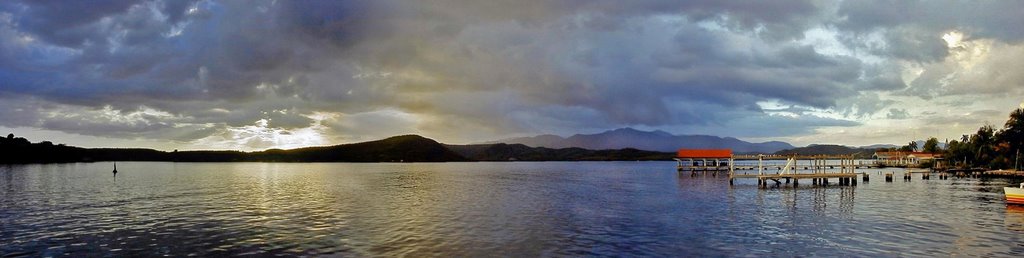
x=920 y=144
x=544 y=140
x=859 y=153
x=520 y=152
x=879 y=146
x=653 y=141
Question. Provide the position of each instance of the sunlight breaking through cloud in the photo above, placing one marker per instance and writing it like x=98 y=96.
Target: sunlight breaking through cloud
x=261 y=74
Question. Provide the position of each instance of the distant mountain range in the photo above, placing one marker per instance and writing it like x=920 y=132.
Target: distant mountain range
x=647 y=140
x=882 y=146
x=519 y=152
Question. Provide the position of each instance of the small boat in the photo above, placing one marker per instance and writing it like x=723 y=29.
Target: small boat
x=1014 y=195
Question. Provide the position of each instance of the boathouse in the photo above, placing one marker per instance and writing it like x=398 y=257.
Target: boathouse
x=704 y=159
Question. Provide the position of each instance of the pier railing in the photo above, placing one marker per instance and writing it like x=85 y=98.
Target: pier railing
x=818 y=168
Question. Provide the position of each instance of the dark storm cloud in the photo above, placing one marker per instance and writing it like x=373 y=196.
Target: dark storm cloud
x=466 y=69
x=66 y=23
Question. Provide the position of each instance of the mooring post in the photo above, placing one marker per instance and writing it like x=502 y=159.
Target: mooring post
x=888 y=177
x=853 y=181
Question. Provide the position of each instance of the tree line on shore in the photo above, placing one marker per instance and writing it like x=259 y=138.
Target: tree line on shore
x=989 y=147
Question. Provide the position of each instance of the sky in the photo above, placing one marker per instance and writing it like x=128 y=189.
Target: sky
x=252 y=75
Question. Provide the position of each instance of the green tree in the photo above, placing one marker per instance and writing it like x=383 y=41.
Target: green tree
x=912 y=146
x=984 y=136
x=982 y=144
x=1013 y=131
x=931 y=145
x=956 y=152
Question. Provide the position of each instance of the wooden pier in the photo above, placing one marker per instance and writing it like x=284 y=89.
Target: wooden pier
x=819 y=169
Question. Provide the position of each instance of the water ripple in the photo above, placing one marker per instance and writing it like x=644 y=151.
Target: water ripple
x=485 y=209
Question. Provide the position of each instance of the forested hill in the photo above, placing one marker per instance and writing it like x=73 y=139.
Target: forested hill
x=406 y=148
x=859 y=153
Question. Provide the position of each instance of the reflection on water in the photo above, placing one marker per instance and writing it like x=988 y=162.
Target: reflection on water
x=478 y=209
x=1015 y=218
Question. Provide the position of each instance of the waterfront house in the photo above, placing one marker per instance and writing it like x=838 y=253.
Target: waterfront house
x=918 y=157
x=903 y=158
x=890 y=158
